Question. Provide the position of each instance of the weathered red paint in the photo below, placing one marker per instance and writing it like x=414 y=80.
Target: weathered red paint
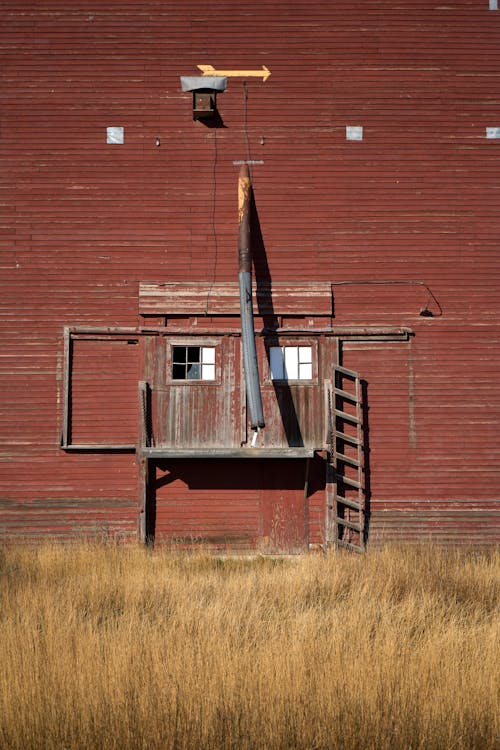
x=87 y=225
x=232 y=504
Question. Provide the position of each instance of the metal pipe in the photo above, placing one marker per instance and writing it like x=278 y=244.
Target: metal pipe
x=250 y=365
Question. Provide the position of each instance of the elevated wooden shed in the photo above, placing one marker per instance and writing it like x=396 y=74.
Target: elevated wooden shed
x=298 y=483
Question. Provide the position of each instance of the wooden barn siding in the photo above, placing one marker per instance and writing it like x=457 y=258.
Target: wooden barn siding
x=240 y=504
x=104 y=391
x=418 y=199
x=201 y=415
x=432 y=441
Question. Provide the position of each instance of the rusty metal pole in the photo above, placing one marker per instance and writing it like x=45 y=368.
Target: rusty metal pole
x=250 y=365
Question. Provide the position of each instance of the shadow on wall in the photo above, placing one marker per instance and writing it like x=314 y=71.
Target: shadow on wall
x=215 y=121
x=248 y=494
x=241 y=474
x=263 y=283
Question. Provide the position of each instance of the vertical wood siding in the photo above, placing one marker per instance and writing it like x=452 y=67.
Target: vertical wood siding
x=417 y=200
x=191 y=414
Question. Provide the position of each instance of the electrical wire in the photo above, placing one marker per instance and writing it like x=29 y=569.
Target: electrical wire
x=245 y=124
x=391 y=282
x=214 y=189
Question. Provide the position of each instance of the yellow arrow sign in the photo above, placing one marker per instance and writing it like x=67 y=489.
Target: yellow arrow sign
x=209 y=70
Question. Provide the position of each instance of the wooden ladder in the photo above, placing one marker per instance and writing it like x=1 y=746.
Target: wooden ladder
x=346 y=496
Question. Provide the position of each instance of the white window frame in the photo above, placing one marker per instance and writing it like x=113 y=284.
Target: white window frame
x=207 y=363
x=292 y=363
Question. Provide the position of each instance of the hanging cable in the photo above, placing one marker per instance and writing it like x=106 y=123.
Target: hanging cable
x=245 y=123
x=391 y=282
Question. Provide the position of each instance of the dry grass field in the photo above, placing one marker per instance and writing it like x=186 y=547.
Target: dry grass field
x=111 y=646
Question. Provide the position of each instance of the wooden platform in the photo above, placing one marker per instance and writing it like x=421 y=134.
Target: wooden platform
x=228 y=452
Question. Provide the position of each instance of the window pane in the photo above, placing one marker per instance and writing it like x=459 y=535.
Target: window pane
x=179 y=354
x=305 y=354
x=208 y=355
x=208 y=372
x=305 y=371
x=276 y=362
x=193 y=372
x=291 y=363
x=193 y=353
x=114 y=134
x=179 y=372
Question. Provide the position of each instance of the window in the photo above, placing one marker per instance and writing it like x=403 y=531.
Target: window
x=193 y=363
x=291 y=362
x=354 y=132
x=114 y=135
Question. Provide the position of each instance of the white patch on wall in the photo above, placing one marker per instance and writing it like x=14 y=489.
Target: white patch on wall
x=114 y=135
x=354 y=132
x=492 y=132
x=493 y=4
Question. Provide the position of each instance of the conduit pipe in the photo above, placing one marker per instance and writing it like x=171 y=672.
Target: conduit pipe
x=250 y=365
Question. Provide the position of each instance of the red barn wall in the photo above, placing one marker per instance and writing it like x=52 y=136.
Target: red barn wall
x=196 y=503
x=417 y=200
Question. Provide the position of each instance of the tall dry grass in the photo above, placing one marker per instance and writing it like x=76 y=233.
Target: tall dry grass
x=106 y=646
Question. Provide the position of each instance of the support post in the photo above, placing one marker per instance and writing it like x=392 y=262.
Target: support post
x=142 y=463
x=143 y=485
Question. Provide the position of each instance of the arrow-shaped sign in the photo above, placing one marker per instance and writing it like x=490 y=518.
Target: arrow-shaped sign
x=209 y=70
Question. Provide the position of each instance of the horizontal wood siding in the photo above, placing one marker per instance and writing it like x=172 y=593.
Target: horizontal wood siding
x=104 y=391
x=403 y=221
x=432 y=464
x=65 y=519
x=464 y=522
x=224 y=299
x=239 y=504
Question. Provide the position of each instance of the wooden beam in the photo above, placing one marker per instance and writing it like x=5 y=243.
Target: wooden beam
x=65 y=433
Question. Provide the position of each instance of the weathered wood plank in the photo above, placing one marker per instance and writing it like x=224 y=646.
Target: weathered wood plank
x=199 y=298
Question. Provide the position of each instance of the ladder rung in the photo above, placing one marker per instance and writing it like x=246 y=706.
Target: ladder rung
x=345 y=415
x=345 y=394
x=347 y=438
x=349 y=503
x=350 y=482
x=348 y=460
x=349 y=524
x=348 y=545
x=345 y=371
